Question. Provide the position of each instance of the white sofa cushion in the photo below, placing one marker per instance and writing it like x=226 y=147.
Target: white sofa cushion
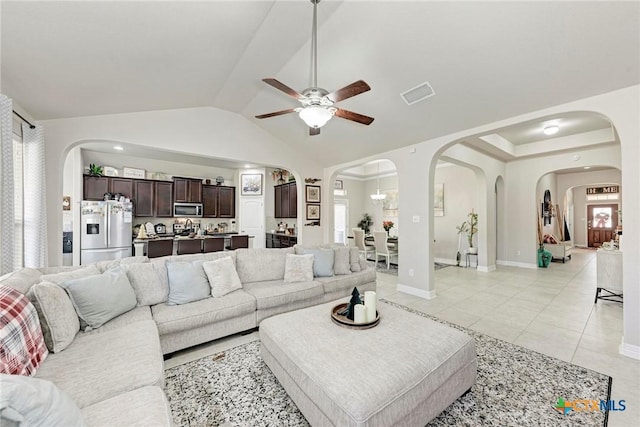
x=354 y=259
x=341 y=260
x=256 y=265
x=187 y=282
x=298 y=268
x=58 y=319
x=277 y=293
x=60 y=278
x=106 y=265
x=147 y=283
x=222 y=276
x=146 y=406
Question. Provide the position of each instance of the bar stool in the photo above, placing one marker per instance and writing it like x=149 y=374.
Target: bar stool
x=158 y=248
x=238 y=241
x=189 y=246
x=213 y=244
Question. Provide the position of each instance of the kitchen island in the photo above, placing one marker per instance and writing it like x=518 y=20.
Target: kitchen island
x=140 y=245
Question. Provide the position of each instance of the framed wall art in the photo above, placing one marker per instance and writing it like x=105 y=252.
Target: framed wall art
x=313 y=194
x=313 y=212
x=338 y=184
x=251 y=184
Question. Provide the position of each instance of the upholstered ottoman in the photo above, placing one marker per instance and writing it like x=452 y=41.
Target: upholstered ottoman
x=404 y=371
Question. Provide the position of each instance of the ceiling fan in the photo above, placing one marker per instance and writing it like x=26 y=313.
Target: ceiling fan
x=317 y=103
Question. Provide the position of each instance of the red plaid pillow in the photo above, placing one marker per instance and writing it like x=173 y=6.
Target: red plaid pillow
x=22 y=347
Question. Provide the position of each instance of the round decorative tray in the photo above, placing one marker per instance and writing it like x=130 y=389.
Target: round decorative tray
x=347 y=323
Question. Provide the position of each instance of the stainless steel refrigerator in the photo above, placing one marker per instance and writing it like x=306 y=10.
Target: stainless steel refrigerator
x=105 y=230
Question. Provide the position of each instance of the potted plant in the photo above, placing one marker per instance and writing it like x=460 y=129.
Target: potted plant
x=280 y=175
x=473 y=229
x=365 y=222
x=95 y=170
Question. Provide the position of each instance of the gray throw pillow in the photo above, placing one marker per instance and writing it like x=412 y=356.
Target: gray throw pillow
x=28 y=401
x=354 y=259
x=341 y=260
x=58 y=318
x=187 y=282
x=146 y=283
x=298 y=268
x=98 y=299
x=322 y=261
x=222 y=275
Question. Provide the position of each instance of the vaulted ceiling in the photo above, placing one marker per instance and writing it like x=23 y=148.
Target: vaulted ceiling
x=486 y=61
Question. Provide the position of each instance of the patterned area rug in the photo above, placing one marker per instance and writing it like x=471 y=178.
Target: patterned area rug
x=514 y=387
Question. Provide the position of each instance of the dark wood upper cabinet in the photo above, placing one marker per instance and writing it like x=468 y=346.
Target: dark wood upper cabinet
x=122 y=186
x=226 y=202
x=164 y=199
x=286 y=200
x=94 y=187
x=187 y=190
x=144 y=197
x=218 y=201
x=209 y=201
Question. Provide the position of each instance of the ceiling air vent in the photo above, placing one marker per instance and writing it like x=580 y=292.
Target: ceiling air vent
x=418 y=93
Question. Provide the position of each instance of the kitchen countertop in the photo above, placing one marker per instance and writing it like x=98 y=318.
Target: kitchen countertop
x=172 y=237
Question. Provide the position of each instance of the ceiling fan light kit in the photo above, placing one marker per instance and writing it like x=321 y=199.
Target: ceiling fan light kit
x=317 y=103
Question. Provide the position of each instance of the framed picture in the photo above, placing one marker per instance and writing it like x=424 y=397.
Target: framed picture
x=438 y=200
x=66 y=203
x=390 y=204
x=313 y=194
x=313 y=211
x=251 y=184
x=338 y=184
x=134 y=173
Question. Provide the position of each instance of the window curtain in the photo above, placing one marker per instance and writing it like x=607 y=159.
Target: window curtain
x=35 y=213
x=7 y=212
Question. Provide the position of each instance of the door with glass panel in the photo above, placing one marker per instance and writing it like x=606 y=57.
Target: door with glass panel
x=340 y=212
x=601 y=224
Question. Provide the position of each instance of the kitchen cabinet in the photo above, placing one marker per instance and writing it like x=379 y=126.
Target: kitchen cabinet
x=275 y=240
x=94 y=187
x=187 y=190
x=122 y=186
x=218 y=201
x=143 y=199
x=286 y=200
x=163 y=199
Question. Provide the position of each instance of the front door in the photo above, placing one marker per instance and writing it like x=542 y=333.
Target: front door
x=601 y=225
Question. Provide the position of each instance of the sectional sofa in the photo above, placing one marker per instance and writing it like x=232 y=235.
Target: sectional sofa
x=115 y=373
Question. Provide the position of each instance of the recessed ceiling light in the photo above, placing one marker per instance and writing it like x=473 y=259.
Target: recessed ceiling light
x=587 y=167
x=118 y=147
x=551 y=130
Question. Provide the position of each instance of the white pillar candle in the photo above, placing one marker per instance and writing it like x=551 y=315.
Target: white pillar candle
x=370 y=303
x=360 y=314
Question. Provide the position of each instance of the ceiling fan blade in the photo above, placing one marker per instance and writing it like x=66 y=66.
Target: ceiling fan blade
x=283 y=87
x=314 y=131
x=350 y=115
x=275 y=113
x=353 y=89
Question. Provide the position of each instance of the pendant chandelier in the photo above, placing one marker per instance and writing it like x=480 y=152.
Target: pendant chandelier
x=377 y=197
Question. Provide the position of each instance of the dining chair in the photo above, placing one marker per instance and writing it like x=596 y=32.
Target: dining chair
x=158 y=248
x=189 y=246
x=213 y=244
x=382 y=249
x=358 y=236
x=238 y=241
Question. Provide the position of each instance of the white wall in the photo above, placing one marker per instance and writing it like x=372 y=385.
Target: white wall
x=355 y=196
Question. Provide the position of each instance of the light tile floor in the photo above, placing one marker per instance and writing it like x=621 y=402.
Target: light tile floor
x=546 y=310
x=550 y=311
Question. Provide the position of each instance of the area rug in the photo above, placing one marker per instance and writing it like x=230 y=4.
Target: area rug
x=514 y=387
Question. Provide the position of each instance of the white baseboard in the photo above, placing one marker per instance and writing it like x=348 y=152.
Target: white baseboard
x=421 y=293
x=486 y=269
x=516 y=264
x=629 y=350
x=445 y=261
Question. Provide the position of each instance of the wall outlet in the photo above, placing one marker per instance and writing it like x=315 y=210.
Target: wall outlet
x=416 y=219
x=411 y=272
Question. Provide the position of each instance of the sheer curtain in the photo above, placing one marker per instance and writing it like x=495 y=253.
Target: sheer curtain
x=7 y=211
x=35 y=213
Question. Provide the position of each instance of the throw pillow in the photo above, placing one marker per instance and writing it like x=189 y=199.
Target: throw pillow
x=322 y=261
x=363 y=264
x=21 y=342
x=108 y=265
x=354 y=259
x=58 y=318
x=341 y=264
x=34 y=402
x=223 y=277
x=146 y=283
x=298 y=268
x=187 y=282
x=98 y=299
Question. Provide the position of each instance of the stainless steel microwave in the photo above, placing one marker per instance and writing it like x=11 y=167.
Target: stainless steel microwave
x=191 y=210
